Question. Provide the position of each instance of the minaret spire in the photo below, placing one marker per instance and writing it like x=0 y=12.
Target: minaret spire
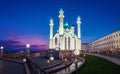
x=61 y=17
x=78 y=24
x=79 y=33
x=51 y=33
x=51 y=28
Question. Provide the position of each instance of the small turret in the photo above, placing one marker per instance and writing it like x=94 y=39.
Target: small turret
x=72 y=29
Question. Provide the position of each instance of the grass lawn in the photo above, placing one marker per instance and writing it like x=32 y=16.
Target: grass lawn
x=96 y=65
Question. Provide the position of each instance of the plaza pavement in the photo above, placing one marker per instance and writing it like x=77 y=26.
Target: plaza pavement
x=112 y=59
x=10 y=67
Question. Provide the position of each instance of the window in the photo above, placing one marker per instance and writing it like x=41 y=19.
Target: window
x=56 y=41
x=116 y=35
x=116 y=41
x=75 y=44
x=111 y=36
x=117 y=46
x=65 y=43
x=69 y=43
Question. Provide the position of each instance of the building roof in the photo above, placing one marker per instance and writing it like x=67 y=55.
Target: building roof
x=66 y=25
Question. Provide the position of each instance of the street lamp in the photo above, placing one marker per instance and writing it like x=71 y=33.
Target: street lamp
x=24 y=60
x=65 y=63
x=48 y=61
x=84 y=55
x=51 y=58
x=28 y=45
x=28 y=51
x=76 y=63
x=1 y=50
x=65 y=60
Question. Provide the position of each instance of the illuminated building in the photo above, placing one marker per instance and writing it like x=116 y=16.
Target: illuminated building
x=108 y=42
x=65 y=38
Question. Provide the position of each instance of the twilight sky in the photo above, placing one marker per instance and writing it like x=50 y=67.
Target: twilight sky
x=28 y=20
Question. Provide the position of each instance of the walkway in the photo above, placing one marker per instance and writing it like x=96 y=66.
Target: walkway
x=9 y=67
x=69 y=69
x=112 y=59
x=62 y=68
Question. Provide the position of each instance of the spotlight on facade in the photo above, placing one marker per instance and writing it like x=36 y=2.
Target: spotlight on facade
x=57 y=48
x=77 y=52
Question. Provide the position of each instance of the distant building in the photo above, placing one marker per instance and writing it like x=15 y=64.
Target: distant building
x=65 y=38
x=108 y=42
x=84 y=46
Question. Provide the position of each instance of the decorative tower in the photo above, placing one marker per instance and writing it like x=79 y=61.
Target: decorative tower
x=51 y=33
x=78 y=24
x=72 y=29
x=61 y=17
x=79 y=33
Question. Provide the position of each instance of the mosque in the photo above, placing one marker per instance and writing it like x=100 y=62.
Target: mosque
x=65 y=37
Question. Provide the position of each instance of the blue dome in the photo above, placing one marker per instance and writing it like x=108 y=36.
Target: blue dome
x=66 y=26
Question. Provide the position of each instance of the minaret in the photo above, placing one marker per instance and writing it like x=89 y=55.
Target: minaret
x=78 y=24
x=79 y=33
x=51 y=33
x=61 y=17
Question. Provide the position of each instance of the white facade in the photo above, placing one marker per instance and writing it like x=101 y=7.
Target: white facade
x=65 y=39
x=111 y=41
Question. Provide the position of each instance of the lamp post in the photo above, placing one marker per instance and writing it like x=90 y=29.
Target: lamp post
x=76 y=52
x=28 y=51
x=76 y=61
x=48 y=61
x=84 y=55
x=1 y=51
x=65 y=63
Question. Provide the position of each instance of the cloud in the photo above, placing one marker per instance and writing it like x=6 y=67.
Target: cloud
x=17 y=43
x=33 y=40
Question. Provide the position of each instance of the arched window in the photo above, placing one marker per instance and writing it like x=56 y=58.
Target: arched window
x=65 y=44
x=55 y=40
x=68 y=43
x=75 y=44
